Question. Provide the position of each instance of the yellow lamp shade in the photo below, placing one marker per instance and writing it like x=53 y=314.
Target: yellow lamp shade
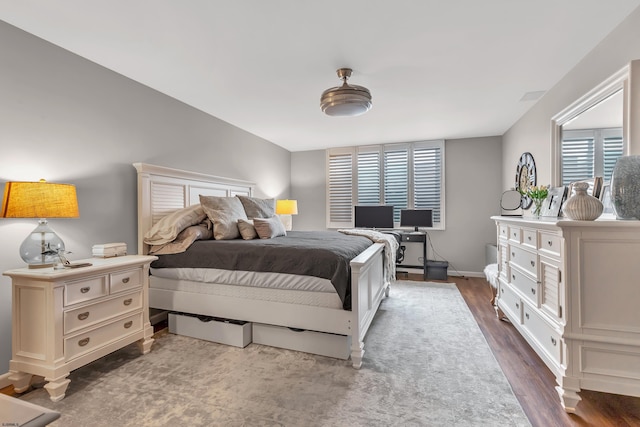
x=287 y=207
x=39 y=200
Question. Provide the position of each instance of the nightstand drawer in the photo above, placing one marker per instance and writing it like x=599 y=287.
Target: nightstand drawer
x=75 y=320
x=85 y=290
x=83 y=343
x=125 y=280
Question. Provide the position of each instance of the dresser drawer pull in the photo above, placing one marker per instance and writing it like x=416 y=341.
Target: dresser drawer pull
x=533 y=263
x=553 y=341
x=85 y=289
x=526 y=315
x=550 y=243
x=83 y=316
x=128 y=324
x=128 y=301
x=125 y=280
x=83 y=342
x=513 y=276
x=517 y=305
x=513 y=254
x=533 y=291
x=529 y=238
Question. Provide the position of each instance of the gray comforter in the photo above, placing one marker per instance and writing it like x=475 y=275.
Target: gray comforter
x=324 y=254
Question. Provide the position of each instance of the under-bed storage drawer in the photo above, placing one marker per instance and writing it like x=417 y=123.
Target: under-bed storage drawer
x=325 y=344
x=229 y=332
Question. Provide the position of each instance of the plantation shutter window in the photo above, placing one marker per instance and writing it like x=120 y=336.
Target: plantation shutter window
x=406 y=176
x=340 y=189
x=590 y=153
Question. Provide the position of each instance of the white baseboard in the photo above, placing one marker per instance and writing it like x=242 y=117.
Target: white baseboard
x=4 y=380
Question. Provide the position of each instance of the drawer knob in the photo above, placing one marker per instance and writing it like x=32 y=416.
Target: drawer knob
x=533 y=263
x=128 y=324
x=553 y=341
x=550 y=243
x=529 y=237
x=83 y=316
x=513 y=276
x=128 y=301
x=83 y=342
x=125 y=280
x=85 y=289
x=517 y=305
x=533 y=291
x=526 y=315
x=513 y=254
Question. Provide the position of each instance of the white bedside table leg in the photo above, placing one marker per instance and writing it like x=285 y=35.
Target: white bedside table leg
x=57 y=387
x=20 y=381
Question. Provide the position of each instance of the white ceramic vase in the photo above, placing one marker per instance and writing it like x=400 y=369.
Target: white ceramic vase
x=582 y=206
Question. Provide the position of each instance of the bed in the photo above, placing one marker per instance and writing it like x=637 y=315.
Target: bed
x=163 y=190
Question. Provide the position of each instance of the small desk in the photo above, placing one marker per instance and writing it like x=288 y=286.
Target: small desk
x=417 y=237
x=16 y=412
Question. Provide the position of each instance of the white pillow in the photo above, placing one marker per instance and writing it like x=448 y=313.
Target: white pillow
x=224 y=212
x=268 y=228
x=168 y=228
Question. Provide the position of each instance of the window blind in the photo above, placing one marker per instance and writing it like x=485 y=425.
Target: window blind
x=340 y=189
x=396 y=180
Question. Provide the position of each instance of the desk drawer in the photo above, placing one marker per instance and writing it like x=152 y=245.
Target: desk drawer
x=83 y=343
x=89 y=315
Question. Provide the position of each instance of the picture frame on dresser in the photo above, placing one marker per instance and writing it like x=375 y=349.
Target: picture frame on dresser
x=553 y=202
x=605 y=198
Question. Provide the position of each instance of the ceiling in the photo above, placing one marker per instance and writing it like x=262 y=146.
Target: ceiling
x=435 y=69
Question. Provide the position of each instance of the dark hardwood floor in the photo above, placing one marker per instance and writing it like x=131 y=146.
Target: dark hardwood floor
x=532 y=382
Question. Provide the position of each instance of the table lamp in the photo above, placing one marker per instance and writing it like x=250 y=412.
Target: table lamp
x=40 y=200
x=286 y=208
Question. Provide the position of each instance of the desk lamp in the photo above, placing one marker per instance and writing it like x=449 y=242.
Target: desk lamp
x=40 y=200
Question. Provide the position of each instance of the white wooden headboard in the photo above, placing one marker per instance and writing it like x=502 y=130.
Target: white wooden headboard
x=163 y=190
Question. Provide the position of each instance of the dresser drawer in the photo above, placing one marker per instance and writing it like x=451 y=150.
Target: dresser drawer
x=515 y=234
x=551 y=244
x=530 y=238
x=526 y=285
x=545 y=335
x=503 y=231
x=528 y=261
x=125 y=280
x=85 y=290
x=510 y=303
x=83 y=343
x=82 y=317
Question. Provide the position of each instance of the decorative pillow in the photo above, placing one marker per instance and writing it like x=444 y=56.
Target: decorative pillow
x=247 y=230
x=185 y=238
x=224 y=212
x=268 y=228
x=258 y=208
x=168 y=228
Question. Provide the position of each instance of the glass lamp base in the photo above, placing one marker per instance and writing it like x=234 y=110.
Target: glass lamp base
x=40 y=248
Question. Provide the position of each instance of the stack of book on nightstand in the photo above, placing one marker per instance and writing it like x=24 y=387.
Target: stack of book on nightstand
x=107 y=250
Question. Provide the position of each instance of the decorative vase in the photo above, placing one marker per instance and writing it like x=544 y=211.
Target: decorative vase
x=625 y=187
x=537 y=207
x=581 y=206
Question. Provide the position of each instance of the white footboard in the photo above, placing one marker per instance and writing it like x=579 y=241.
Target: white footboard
x=368 y=289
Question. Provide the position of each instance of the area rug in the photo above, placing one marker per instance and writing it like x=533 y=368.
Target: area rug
x=426 y=363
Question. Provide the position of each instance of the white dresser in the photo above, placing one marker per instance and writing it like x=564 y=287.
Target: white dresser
x=64 y=319
x=572 y=289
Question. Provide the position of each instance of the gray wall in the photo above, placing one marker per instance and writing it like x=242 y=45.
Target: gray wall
x=533 y=131
x=66 y=119
x=472 y=188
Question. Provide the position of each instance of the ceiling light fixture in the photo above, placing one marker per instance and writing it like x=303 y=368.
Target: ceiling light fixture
x=345 y=100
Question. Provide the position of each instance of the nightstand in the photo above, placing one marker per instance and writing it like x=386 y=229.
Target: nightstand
x=64 y=319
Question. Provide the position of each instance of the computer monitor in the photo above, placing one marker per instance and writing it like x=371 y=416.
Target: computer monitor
x=374 y=216
x=416 y=218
